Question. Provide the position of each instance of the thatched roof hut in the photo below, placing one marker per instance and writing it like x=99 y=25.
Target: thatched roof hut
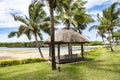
x=68 y=36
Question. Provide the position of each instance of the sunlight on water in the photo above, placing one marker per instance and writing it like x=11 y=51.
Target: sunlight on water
x=46 y=48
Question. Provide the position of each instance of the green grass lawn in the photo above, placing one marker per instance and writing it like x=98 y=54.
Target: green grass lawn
x=100 y=65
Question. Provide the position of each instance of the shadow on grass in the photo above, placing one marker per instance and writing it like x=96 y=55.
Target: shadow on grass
x=99 y=65
x=76 y=71
x=69 y=71
x=89 y=59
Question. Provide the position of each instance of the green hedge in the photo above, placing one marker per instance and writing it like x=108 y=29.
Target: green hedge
x=24 y=61
x=89 y=52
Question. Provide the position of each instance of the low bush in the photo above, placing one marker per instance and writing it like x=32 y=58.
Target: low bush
x=24 y=61
x=89 y=52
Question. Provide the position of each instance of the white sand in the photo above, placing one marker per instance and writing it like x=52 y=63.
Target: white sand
x=20 y=54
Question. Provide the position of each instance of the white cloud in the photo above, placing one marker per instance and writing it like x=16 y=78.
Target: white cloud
x=23 y=38
x=4 y=38
x=21 y=7
x=93 y=3
x=94 y=13
x=7 y=7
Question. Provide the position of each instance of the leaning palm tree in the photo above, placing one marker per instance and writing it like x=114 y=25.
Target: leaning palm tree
x=111 y=19
x=101 y=30
x=116 y=35
x=33 y=24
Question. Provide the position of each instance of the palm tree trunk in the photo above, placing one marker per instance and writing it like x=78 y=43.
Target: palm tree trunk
x=113 y=40
x=103 y=42
x=110 y=42
x=68 y=24
x=52 y=35
x=38 y=46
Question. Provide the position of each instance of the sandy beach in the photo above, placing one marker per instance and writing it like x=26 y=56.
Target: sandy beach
x=22 y=54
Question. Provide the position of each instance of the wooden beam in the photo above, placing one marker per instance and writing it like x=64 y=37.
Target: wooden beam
x=49 y=52
x=58 y=53
x=69 y=49
x=82 y=51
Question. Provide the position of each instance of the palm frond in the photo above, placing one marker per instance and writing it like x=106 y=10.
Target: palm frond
x=40 y=16
x=21 y=19
x=31 y=11
x=40 y=35
x=45 y=29
x=12 y=34
x=38 y=7
x=21 y=30
x=93 y=27
x=45 y=23
x=116 y=15
x=73 y=22
x=28 y=34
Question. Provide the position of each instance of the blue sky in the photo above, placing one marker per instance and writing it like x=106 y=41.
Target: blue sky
x=20 y=7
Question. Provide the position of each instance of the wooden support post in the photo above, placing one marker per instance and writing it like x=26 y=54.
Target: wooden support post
x=82 y=51
x=49 y=52
x=69 y=49
x=58 y=53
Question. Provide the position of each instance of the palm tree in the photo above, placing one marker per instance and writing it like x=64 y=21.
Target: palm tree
x=101 y=31
x=111 y=16
x=52 y=6
x=82 y=20
x=116 y=35
x=109 y=21
x=72 y=12
x=33 y=24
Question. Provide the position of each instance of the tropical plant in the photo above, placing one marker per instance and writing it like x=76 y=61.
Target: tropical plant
x=109 y=21
x=111 y=16
x=72 y=12
x=33 y=24
x=52 y=6
x=116 y=35
x=101 y=31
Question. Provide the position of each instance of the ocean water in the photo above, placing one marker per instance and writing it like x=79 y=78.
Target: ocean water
x=46 y=48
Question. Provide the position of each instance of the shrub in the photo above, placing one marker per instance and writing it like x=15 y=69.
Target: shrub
x=30 y=60
x=24 y=61
x=88 y=52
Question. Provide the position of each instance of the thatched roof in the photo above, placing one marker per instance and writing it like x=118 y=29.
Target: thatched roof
x=67 y=35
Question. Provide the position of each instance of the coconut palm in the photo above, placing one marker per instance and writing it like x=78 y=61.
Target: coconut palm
x=111 y=16
x=82 y=20
x=33 y=24
x=110 y=20
x=116 y=35
x=101 y=31
x=72 y=12
x=52 y=6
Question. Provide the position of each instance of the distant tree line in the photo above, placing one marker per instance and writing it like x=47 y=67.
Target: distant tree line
x=93 y=43
x=33 y=44
x=20 y=44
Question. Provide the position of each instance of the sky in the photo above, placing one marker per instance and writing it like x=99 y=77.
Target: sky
x=20 y=7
